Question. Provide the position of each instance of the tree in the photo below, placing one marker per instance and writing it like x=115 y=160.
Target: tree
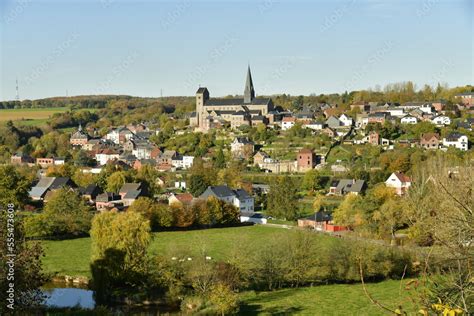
x=283 y=198
x=225 y=301
x=219 y=160
x=28 y=271
x=197 y=184
x=119 y=248
x=312 y=180
x=348 y=212
x=115 y=181
x=13 y=187
x=65 y=213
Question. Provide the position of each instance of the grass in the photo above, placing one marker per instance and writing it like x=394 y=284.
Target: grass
x=337 y=299
x=30 y=115
x=72 y=257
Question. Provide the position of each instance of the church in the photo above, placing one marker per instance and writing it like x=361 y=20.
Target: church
x=215 y=112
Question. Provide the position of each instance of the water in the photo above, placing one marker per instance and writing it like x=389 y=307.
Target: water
x=58 y=295
x=69 y=297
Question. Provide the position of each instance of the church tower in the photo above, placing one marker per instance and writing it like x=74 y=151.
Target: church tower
x=249 y=92
x=202 y=95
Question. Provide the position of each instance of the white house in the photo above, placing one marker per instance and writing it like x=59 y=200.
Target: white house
x=106 y=155
x=287 y=122
x=426 y=108
x=314 y=125
x=239 y=198
x=408 y=119
x=188 y=162
x=346 y=120
x=119 y=135
x=456 y=140
x=399 y=181
x=397 y=112
x=441 y=120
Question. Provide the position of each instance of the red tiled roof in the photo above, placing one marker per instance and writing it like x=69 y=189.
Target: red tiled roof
x=402 y=177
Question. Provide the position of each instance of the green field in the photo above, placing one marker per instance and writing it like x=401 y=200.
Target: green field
x=30 y=116
x=72 y=257
x=337 y=299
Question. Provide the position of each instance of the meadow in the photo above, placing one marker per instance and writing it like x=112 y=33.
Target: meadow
x=72 y=257
x=36 y=116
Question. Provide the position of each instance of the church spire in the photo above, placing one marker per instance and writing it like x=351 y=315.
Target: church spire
x=249 y=92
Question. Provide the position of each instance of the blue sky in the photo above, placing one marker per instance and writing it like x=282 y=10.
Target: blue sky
x=298 y=47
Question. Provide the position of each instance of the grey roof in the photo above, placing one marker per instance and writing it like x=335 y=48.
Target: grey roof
x=38 y=192
x=453 y=137
x=45 y=182
x=345 y=186
x=61 y=182
x=237 y=101
x=320 y=217
x=333 y=122
x=249 y=91
x=219 y=191
x=243 y=140
x=201 y=90
x=107 y=196
x=89 y=190
x=242 y=194
x=132 y=194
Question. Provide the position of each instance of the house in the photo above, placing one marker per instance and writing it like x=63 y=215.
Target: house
x=346 y=120
x=378 y=117
x=333 y=122
x=250 y=217
x=320 y=221
x=399 y=181
x=167 y=157
x=430 y=140
x=456 y=140
x=441 y=120
x=79 y=138
x=142 y=149
x=19 y=159
x=306 y=160
x=329 y=132
x=105 y=155
x=409 y=119
x=119 y=135
x=239 y=197
x=347 y=186
x=129 y=192
x=314 y=125
x=373 y=139
x=49 y=184
x=182 y=198
x=426 y=108
x=108 y=200
x=90 y=192
x=287 y=122
x=139 y=163
x=466 y=98
x=45 y=162
x=260 y=158
x=242 y=147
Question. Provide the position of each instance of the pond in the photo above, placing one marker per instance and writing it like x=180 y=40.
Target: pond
x=59 y=295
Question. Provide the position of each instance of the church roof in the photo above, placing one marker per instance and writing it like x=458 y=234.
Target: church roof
x=236 y=101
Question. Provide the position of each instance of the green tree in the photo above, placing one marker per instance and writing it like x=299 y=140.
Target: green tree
x=283 y=198
x=115 y=181
x=224 y=300
x=219 y=160
x=13 y=187
x=119 y=247
x=65 y=213
x=28 y=273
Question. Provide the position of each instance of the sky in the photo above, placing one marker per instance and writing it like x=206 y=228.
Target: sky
x=150 y=47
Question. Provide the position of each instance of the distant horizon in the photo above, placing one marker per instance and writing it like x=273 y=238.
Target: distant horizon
x=119 y=47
